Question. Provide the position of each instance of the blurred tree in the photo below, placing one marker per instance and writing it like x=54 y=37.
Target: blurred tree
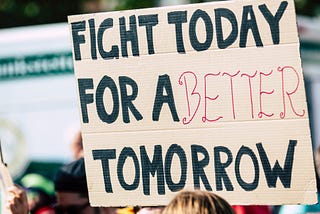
x=29 y=12
x=135 y=4
x=308 y=7
x=303 y=7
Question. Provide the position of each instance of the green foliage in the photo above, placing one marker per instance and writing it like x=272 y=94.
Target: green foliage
x=29 y=12
x=134 y=4
x=21 y=12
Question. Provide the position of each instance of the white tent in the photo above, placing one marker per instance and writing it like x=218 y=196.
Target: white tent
x=38 y=108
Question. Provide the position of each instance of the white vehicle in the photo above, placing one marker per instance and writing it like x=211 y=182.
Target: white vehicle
x=309 y=34
x=38 y=108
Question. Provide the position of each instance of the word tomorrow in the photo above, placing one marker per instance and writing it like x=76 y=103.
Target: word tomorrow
x=159 y=166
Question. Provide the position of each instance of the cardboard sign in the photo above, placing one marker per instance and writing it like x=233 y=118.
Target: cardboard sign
x=206 y=96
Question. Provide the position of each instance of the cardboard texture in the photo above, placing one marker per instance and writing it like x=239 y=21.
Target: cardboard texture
x=206 y=96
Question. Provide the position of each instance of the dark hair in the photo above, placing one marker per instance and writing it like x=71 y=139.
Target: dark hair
x=72 y=178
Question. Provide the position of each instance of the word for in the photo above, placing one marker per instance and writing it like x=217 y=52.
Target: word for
x=159 y=166
x=98 y=35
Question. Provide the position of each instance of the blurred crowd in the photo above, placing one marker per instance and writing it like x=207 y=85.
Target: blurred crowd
x=67 y=192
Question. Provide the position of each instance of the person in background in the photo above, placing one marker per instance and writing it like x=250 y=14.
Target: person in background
x=150 y=210
x=77 y=151
x=198 y=201
x=72 y=192
x=40 y=193
x=77 y=146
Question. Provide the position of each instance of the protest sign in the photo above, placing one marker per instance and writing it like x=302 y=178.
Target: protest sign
x=207 y=96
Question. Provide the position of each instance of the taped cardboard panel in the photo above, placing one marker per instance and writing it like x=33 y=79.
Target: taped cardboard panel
x=209 y=75
x=217 y=143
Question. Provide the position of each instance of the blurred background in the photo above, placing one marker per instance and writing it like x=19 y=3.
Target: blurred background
x=39 y=115
x=30 y=12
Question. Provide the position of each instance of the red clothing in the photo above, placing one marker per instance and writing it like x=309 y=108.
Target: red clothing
x=251 y=209
x=45 y=210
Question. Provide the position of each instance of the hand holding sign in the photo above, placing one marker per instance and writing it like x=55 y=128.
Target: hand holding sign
x=6 y=177
x=6 y=183
x=17 y=202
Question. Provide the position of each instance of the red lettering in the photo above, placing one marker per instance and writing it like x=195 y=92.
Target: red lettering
x=206 y=97
x=261 y=101
x=289 y=94
x=261 y=112
x=250 y=90
x=231 y=88
x=185 y=120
